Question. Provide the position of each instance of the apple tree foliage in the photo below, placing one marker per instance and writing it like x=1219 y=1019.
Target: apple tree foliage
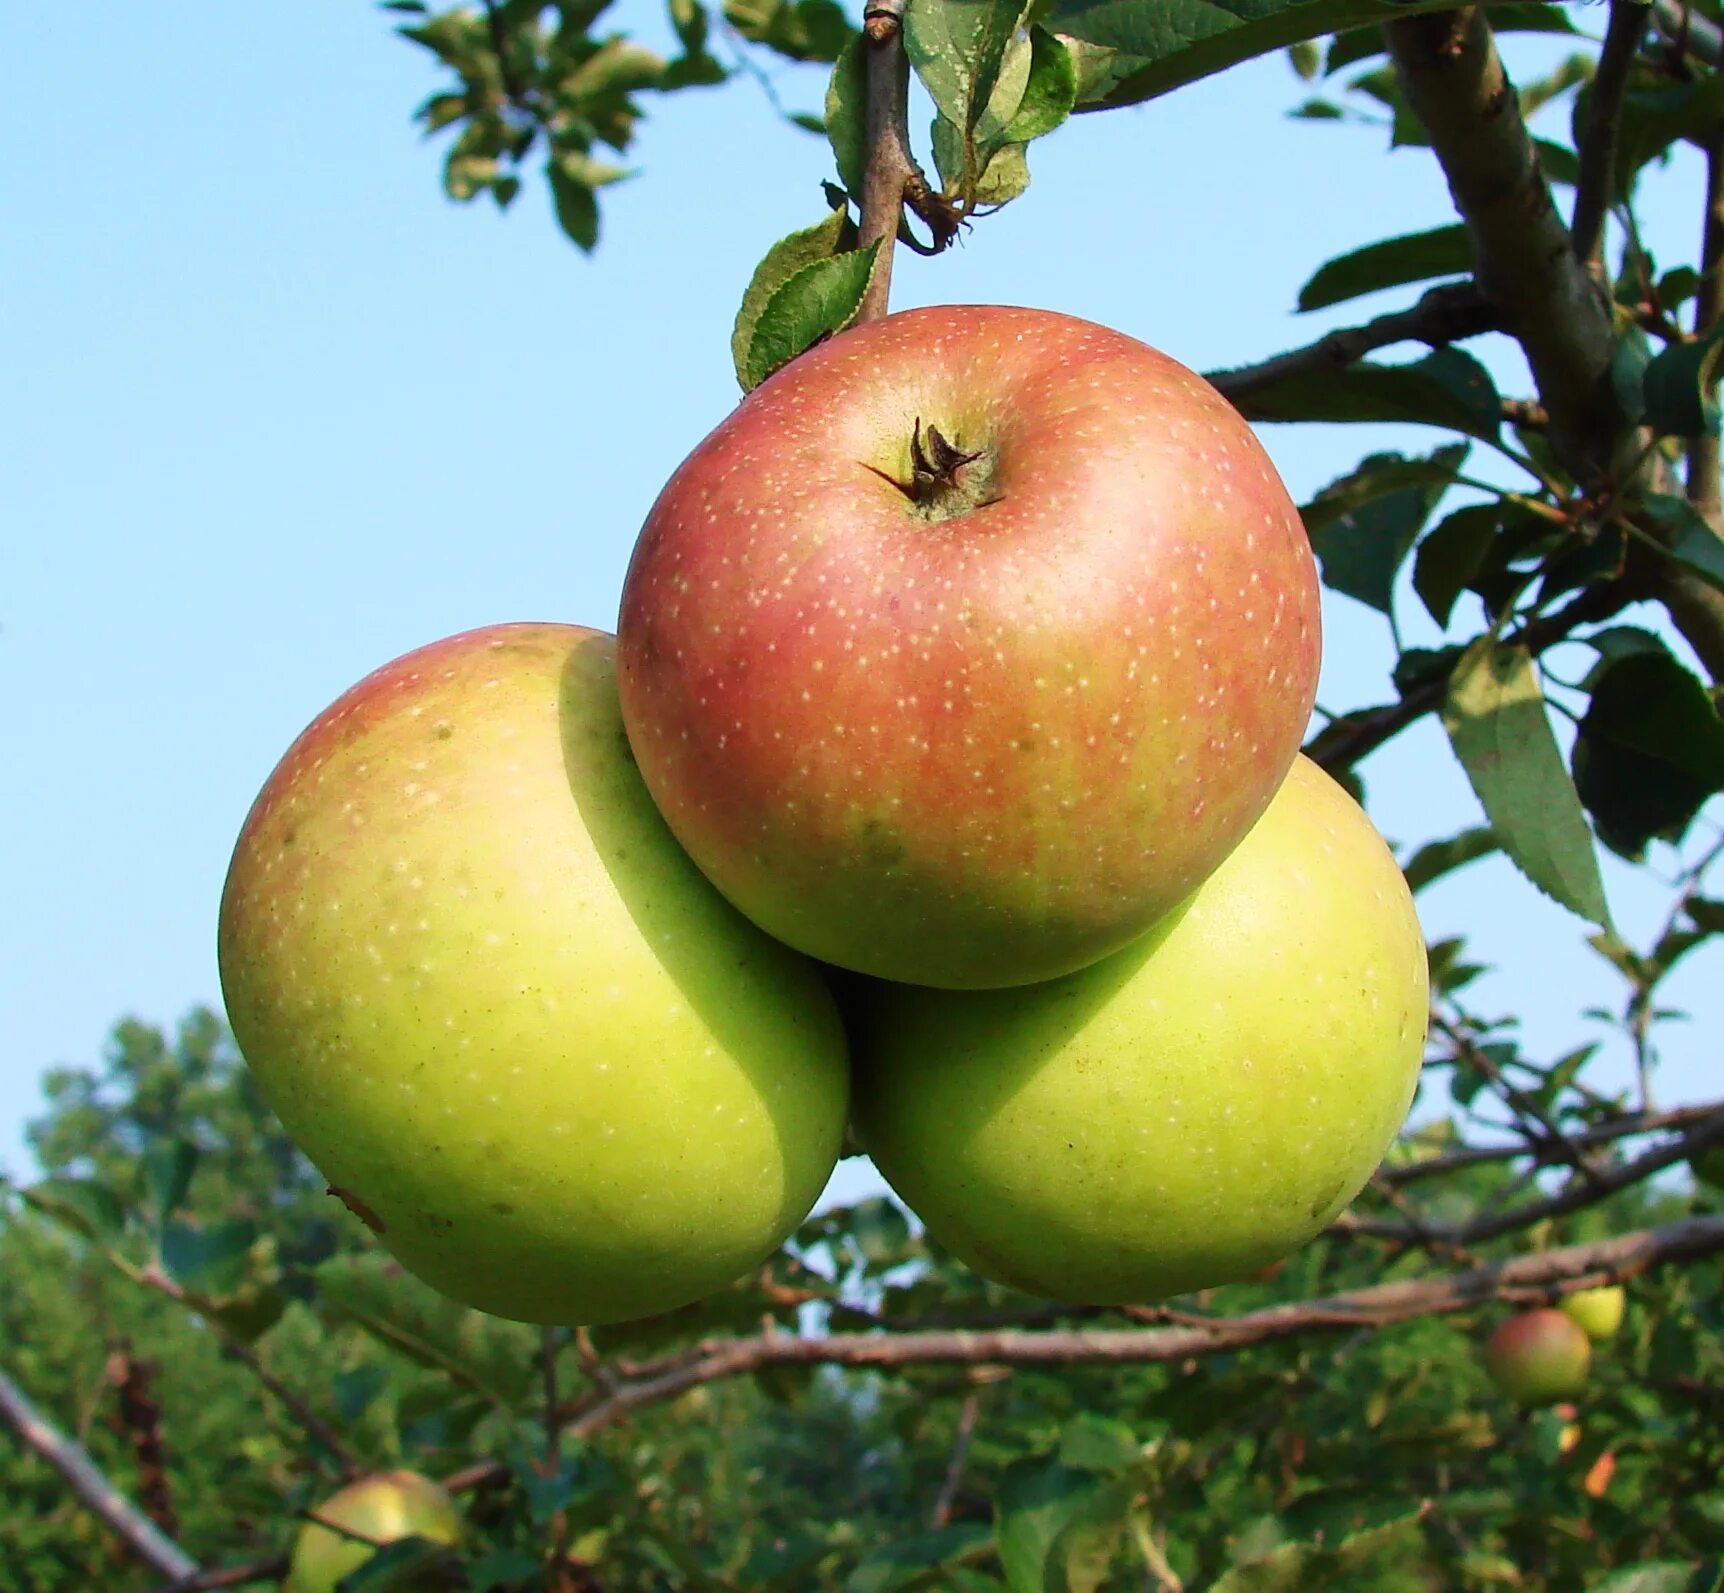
x=226 y=1345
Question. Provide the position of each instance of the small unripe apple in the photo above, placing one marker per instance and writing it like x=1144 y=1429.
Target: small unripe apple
x=382 y=1508
x=1539 y=1357
x=1597 y=1312
x=966 y=646
x=1184 y=1112
x=496 y=1004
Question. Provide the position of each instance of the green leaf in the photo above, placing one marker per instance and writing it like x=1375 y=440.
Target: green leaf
x=880 y=1232
x=212 y=1261
x=1677 y=286
x=1319 y=1568
x=1033 y=1503
x=378 y=1295
x=546 y=1493
x=1363 y=526
x=1679 y=388
x=1448 y=388
x=408 y=1565
x=616 y=68
x=576 y=206
x=847 y=115
x=1091 y=1442
x=907 y=1562
x=1081 y=1555
x=693 y=71
x=80 y=1205
x=1006 y=175
x=1167 y=43
x=1452 y=555
x=1649 y=751
x=1437 y=858
x=1652 y=119
x=1497 y=723
x=800 y=30
x=957 y=48
x=1618 y=641
x=504 y=1567
x=1571 y=72
x=1050 y=91
x=1659 y=1576
x=1685 y=535
x=1414 y=257
x=164 y=1174
x=783 y=260
x=808 y=306
x=688 y=17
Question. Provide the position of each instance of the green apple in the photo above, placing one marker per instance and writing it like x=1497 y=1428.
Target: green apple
x=379 y=1509
x=1184 y=1112
x=500 y=1009
x=1539 y=1357
x=1597 y=1312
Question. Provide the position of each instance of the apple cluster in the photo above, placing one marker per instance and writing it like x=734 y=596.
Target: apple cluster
x=941 y=783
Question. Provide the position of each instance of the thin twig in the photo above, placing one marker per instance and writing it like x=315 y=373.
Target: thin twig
x=1704 y=450
x=1344 y=741
x=548 y=1377
x=140 y=1535
x=1595 y=184
x=1525 y=1279
x=1543 y=1152
x=1681 y=26
x=1709 y=1131
x=955 y=1461
x=153 y=1278
x=1442 y=315
x=1525 y=1108
x=268 y=1570
x=890 y=165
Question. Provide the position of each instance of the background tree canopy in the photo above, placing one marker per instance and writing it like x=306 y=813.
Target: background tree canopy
x=188 y=1307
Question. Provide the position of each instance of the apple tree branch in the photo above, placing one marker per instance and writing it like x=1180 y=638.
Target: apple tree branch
x=145 y=1540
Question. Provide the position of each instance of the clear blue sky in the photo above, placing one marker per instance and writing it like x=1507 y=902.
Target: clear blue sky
x=273 y=412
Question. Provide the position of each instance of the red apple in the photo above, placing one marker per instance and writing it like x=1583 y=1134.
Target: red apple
x=969 y=645
x=1539 y=1357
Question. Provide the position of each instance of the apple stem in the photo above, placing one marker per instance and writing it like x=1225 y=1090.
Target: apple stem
x=891 y=168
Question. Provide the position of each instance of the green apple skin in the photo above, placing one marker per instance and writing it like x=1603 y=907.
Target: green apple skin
x=1539 y=1357
x=500 y=1009
x=383 y=1508
x=1596 y=1312
x=1185 y=1112
x=989 y=738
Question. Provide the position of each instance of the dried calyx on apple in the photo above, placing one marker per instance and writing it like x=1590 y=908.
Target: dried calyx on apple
x=945 y=481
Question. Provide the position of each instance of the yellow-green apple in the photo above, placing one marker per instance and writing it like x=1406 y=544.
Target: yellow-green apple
x=1597 y=1312
x=501 y=1010
x=1185 y=1111
x=375 y=1510
x=969 y=644
x=1539 y=1357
